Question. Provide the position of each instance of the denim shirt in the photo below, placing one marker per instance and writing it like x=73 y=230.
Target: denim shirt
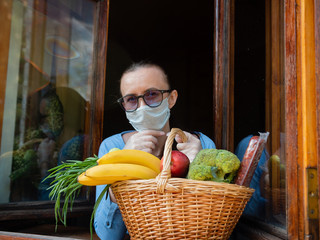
x=108 y=221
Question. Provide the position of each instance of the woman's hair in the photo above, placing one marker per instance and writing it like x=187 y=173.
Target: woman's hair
x=146 y=64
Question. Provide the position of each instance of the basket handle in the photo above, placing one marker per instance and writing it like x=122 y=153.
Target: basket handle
x=165 y=174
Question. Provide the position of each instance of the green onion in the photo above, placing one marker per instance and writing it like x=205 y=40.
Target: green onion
x=65 y=185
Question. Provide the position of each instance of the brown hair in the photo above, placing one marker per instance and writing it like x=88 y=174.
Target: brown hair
x=146 y=64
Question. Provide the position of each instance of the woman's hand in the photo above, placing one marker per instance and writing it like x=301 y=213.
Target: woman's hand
x=146 y=140
x=191 y=147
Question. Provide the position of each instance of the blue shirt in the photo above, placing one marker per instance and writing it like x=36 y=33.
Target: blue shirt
x=108 y=221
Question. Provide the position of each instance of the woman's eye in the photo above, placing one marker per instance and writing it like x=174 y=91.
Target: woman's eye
x=153 y=94
x=130 y=99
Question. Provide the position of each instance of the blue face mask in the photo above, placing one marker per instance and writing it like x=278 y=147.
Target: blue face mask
x=147 y=118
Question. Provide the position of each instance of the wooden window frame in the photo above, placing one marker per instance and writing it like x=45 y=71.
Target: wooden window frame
x=5 y=8
x=94 y=127
x=286 y=47
x=296 y=48
x=290 y=75
x=317 y=76
x=223 y=72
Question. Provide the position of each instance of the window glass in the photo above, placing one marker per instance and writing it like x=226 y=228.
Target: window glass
x=259 y=107
x=48 y=91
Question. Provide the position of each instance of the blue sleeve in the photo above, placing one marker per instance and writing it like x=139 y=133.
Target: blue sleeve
x=256 y=205
x=206 y=142
x=108 y=221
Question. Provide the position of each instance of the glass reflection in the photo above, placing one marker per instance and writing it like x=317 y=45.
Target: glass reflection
x=48 y=90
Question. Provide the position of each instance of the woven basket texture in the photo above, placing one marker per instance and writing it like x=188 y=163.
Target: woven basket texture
x=179 y=208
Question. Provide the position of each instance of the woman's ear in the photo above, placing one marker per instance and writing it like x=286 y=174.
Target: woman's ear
x=172 y=98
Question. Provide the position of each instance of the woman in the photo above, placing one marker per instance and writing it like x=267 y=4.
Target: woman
x=147 y=100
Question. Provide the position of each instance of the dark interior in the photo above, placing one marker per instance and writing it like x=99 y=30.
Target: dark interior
x=178 y=35
x=249 y=72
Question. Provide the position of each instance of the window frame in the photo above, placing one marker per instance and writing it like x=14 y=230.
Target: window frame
x=294 y=44
x=223 y=74
x=223 y=109
x=286 y=52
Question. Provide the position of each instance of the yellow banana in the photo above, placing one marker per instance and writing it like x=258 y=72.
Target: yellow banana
x=133 y=157
x=119 y=172
x=88 y=181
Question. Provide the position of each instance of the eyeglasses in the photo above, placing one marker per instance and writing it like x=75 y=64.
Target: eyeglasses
x=153 y=98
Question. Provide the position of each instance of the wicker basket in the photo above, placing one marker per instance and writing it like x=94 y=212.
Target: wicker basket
x=179 y=208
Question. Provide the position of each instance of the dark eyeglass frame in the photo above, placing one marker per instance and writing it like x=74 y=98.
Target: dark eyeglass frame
x=121 y=101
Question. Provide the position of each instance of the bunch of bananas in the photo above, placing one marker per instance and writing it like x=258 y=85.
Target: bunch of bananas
x=121 y=165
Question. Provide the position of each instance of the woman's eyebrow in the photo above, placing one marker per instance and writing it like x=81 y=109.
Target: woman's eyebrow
x=133 y=94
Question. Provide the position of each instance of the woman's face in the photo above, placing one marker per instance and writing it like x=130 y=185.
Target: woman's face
x=143 y=79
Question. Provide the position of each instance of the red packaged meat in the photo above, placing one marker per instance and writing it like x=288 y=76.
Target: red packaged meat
x=250 y=159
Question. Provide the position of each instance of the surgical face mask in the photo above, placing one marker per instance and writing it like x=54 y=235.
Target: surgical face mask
x=147 y=118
